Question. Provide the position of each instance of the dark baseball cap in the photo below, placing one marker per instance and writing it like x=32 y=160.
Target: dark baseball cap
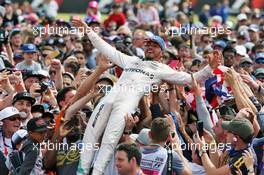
x=36 y=74
x=239 y=126
x=36 y=125
x=24 y=96
x=37 y=108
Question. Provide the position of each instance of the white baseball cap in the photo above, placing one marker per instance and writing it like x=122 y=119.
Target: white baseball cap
x=253 y=27
x=241 y=17
x=241 y=50
x=11 y=111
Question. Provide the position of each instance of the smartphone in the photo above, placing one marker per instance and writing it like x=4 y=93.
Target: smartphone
x=200 y=128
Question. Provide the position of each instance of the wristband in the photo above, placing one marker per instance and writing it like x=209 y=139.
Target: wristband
x=251 y=170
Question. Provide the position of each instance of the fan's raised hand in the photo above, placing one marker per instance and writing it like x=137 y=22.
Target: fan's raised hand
x=81 y=25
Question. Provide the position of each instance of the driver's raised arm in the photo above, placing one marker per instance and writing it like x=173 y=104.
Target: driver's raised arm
x=183 y=78
x=110 y=52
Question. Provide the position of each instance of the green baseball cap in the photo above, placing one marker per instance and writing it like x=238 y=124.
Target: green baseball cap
x=239 y=126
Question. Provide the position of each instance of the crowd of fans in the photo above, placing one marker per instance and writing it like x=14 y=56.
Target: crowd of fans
x=50 y=84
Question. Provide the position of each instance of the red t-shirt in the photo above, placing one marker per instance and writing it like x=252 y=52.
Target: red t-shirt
x=119 y=18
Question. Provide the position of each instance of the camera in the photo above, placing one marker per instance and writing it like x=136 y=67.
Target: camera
x=43 y=87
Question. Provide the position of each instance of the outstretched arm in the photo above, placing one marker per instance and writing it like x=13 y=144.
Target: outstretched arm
x=110 y=52
x=183 y=78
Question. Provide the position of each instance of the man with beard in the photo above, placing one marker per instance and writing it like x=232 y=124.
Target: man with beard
x=23 y=101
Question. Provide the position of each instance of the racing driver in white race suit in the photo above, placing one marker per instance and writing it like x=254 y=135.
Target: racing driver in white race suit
x=136 y=80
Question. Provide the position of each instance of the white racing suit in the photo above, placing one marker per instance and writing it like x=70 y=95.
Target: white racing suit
x=136 y=80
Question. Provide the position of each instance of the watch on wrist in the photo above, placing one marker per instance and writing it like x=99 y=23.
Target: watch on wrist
x=201 y=152
x=250 y=170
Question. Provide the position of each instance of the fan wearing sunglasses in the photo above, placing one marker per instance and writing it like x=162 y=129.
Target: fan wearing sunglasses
x=11 y=119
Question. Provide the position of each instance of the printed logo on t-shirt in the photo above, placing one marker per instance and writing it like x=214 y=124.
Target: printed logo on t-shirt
x=154 y=163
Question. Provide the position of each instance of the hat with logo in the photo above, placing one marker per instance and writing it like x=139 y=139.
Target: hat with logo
x=24 y=96
x=239 y=126
x=36 y=125
x=9 y=112
x=29 y=48
x=158 y=40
